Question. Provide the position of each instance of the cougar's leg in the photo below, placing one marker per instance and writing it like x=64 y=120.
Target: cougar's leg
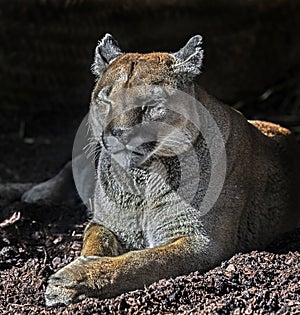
x=57 y=190
x=61 y=188
x=109 y=276
x=99 y=241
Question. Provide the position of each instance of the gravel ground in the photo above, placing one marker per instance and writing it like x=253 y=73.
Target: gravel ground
x=37 y=244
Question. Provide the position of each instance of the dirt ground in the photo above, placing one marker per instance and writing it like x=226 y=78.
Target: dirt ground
x=38 y=244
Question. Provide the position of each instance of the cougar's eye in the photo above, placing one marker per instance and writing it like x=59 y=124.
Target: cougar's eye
x=103 y=94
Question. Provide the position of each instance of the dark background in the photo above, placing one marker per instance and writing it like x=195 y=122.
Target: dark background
x=46 y=49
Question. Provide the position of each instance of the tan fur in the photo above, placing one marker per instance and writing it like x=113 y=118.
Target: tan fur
x=98 y=241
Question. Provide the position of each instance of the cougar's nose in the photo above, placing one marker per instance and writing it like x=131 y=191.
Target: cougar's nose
x=122 y=134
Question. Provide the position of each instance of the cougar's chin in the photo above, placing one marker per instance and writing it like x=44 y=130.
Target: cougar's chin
x=129 y=159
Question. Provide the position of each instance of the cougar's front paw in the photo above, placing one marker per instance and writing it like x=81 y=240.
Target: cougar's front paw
x=68 y=285
x=45 y=192
x=53 y=191
x=58 y=294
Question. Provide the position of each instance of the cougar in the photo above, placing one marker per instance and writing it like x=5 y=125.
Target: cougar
x=182 y=180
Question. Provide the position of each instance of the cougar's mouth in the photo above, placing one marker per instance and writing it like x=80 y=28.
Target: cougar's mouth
x=128 y=149
x=128 y=158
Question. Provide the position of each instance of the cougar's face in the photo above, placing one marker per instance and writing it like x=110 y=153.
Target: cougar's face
x=134 y=112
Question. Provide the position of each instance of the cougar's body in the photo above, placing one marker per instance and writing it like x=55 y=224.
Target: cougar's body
x=143 y=228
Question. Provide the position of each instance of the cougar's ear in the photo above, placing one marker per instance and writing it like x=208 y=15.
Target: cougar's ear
x=106 y=51
x=189 y=57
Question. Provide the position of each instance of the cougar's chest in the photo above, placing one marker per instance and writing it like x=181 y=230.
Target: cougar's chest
x=126 y=222
x=119 y=203
x=142 y=206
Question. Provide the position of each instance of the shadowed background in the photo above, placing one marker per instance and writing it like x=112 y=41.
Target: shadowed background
x=251 y=49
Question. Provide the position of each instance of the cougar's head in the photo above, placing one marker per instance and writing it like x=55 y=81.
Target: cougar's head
x=139 y=107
